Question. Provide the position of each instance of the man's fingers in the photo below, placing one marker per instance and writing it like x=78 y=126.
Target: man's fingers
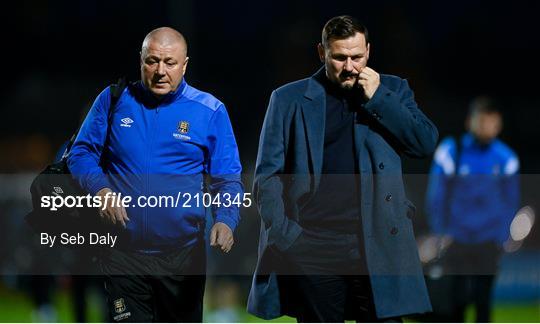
x=365 y=76
x=121 y=219
x=124 y=214
x=117 y=216
x=362 y=82
x=369 y=70
x=111 y=216
x=213 y=236
x=227 y=246
x=221 y=238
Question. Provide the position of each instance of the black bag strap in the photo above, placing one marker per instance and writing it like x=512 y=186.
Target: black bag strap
x=116 y=90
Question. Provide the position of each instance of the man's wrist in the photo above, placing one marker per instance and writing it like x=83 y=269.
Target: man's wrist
x=103 y=191
x=231 y=224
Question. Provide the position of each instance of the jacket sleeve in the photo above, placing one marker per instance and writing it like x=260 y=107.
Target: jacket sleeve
x=268 y=184
x=398 y=112
x=223 y=166
x=84 y=157
x=511 y=195
x=442 y=169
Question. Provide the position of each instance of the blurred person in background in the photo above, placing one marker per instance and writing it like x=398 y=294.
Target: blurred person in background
x=163 y=138
x=336 y=241
x=472 y=197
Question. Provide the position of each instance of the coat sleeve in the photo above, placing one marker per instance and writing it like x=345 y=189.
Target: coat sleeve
x=85 y=155
x=442 y=170
x=224 y=169
x=398 y=112
x=268 y=183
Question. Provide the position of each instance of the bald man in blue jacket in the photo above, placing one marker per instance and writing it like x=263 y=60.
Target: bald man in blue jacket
x=160 y=140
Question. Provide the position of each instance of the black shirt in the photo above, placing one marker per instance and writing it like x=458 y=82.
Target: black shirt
x=335 y=206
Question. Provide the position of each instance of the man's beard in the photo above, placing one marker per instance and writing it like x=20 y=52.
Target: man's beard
x=346 y=85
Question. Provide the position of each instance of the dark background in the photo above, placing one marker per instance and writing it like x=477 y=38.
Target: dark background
x=57 y=56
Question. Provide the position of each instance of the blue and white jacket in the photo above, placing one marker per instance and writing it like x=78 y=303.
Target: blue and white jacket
x=160 y=148
x=474 y=199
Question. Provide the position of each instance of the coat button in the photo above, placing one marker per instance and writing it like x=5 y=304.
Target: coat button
x=388 y=197
x=393 y=230
x=381 y=165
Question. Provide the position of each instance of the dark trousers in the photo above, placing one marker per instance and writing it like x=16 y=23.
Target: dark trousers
x=332 y=298
x=155 y=288
x=325 y=280
x=469 y=275
x=476 y=289
x=473 y=268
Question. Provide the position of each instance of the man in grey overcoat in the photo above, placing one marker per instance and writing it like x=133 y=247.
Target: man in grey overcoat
x=336 y=239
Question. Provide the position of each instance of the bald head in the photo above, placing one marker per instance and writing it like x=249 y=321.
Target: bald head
x=163 y=60
x=166 y=37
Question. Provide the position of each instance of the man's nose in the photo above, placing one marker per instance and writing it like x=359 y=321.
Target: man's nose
x=348 y=65
x=161 y=68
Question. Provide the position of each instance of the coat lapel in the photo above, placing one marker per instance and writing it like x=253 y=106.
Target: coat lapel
x=360 y=134
x=314 y=115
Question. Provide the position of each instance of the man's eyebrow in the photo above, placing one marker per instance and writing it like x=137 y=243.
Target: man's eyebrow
x=345 y=55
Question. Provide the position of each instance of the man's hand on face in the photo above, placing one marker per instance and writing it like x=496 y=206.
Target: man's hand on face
x=109 y=212
x=221 y=236
x=369 y=80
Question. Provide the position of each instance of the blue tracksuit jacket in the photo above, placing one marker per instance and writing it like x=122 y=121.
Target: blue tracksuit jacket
x=160 y=148
x=473 y=199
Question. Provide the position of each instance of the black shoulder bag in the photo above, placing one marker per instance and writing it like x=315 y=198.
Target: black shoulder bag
x=56 y=180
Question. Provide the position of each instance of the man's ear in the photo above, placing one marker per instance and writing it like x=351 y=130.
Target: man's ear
x=367 y=51
x=185 y=65
x=320 y=49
